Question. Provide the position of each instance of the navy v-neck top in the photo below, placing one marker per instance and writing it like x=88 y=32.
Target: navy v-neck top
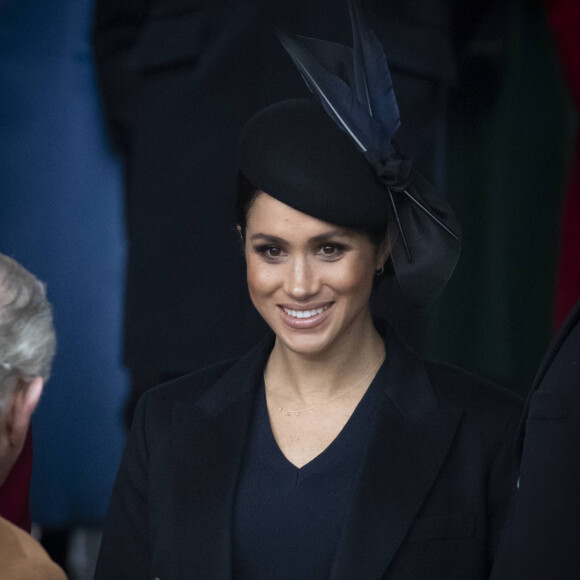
x=286 y=520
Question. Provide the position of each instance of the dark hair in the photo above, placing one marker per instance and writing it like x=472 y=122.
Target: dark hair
x=247 y=193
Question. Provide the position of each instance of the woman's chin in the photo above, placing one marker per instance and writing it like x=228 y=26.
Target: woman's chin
x=317 y=336
x=308 y=350
x=311 y=344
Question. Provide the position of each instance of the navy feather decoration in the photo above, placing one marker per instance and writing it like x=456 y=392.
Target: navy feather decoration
x=355 y=88
x=374 y=86
x=333 y=57
x=337 y=98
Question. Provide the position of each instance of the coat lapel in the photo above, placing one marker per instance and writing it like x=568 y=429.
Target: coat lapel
x=208 y=444
x=556 y=344
x=553 y=351
x=406 y=449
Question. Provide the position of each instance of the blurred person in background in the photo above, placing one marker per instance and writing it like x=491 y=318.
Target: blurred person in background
x=61 y=215
x=27 y=346
x=541 y=535
x=510 y=137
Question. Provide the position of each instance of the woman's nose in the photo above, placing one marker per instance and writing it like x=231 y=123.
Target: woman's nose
x=301 y=279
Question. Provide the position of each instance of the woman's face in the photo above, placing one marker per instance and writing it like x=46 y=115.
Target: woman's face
x=310 y=280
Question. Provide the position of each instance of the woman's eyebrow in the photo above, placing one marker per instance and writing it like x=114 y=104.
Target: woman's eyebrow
x=336 y=233
x=268 y=238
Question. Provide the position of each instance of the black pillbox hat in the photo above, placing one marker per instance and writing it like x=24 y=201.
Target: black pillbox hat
x=294 y=152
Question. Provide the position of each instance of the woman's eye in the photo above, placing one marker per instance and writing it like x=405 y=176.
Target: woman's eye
x=269 y=252
x=273 y=251
x=332 y=250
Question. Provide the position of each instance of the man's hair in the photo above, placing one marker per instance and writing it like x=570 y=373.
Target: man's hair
x=27 y=338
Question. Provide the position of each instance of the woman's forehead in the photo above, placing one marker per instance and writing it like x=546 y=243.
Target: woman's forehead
x=269 y=217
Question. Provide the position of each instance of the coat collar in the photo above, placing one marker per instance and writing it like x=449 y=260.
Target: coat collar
x=240 y=380
x=403 y=456
x=404 y=375
x=561 y=352
x=208 y=439
x=555 y=346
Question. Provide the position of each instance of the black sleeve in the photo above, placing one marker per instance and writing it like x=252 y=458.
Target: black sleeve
x=125 y=552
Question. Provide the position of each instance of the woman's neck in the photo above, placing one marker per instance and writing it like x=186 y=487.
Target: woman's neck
x=306 y=378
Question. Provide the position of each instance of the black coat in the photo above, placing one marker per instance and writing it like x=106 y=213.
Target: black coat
x=542 y=535
x=435 y=480
x=179 y=79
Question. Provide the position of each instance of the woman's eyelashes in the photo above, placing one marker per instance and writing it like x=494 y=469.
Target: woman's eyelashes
x=270 y=252
x=332 y=251
x=329 y=251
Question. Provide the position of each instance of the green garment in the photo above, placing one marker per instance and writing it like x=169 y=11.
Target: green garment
x=506 y=174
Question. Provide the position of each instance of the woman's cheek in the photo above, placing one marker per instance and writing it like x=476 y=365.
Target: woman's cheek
x=261 y=277
x=354 y=276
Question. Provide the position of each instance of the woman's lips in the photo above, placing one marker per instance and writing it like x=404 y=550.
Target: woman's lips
x=305 y=318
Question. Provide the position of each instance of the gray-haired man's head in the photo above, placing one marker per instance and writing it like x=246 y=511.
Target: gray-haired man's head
x=27 y=338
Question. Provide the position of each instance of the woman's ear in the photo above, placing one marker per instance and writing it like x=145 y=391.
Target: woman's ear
x=242 y=241
x=383 y=253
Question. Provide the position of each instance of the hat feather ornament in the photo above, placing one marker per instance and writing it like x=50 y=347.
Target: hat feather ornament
x=355 y=89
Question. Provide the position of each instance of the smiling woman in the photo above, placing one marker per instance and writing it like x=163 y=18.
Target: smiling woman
x=311 y=281
x=331 y=450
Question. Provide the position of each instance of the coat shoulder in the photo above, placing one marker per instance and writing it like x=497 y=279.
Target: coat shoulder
x=476 y=395
x=188 y=388
x=155 y=409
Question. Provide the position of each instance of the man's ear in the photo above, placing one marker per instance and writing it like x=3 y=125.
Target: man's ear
x=26 y=398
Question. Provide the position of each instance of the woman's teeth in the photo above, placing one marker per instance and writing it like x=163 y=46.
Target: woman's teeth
x=304 y=313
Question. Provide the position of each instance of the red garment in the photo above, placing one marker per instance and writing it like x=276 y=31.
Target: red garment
x=15 y=493
x=564 y=20
x=568 y=283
